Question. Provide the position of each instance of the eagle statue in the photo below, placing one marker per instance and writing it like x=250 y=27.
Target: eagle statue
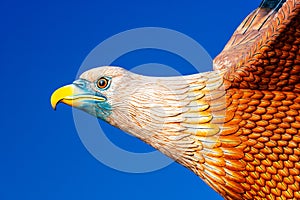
x=237 y=127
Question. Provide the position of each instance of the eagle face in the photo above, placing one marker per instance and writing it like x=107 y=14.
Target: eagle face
x=93 y=91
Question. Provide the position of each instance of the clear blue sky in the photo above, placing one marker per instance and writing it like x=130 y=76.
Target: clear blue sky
x=43 y=43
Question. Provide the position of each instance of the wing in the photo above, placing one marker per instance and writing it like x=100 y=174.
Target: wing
x=262 y=75
x=264 y=52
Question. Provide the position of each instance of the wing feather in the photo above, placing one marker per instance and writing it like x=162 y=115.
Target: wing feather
x=264 y=52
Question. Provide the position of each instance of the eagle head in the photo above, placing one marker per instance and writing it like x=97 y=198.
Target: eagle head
x=94 y=91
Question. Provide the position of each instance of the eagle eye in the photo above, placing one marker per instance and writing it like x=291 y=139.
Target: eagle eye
x=103 y=83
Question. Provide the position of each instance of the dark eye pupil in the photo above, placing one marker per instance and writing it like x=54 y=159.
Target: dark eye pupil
x=102 y=82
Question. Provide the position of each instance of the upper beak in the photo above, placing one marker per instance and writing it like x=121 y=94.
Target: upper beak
x=64 y=94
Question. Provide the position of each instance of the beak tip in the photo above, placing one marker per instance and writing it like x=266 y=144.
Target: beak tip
x=53 y=105
x=53 y=102
x=59 y=95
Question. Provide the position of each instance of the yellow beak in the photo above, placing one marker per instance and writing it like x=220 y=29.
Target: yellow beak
x=75 y=96
x=64 y=94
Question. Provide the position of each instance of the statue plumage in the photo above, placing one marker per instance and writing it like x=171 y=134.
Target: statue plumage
x=237 y=127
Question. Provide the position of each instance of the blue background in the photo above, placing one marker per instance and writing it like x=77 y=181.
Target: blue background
x=43 y=43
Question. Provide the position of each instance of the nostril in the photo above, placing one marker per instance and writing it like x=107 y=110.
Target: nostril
x=80 y=83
